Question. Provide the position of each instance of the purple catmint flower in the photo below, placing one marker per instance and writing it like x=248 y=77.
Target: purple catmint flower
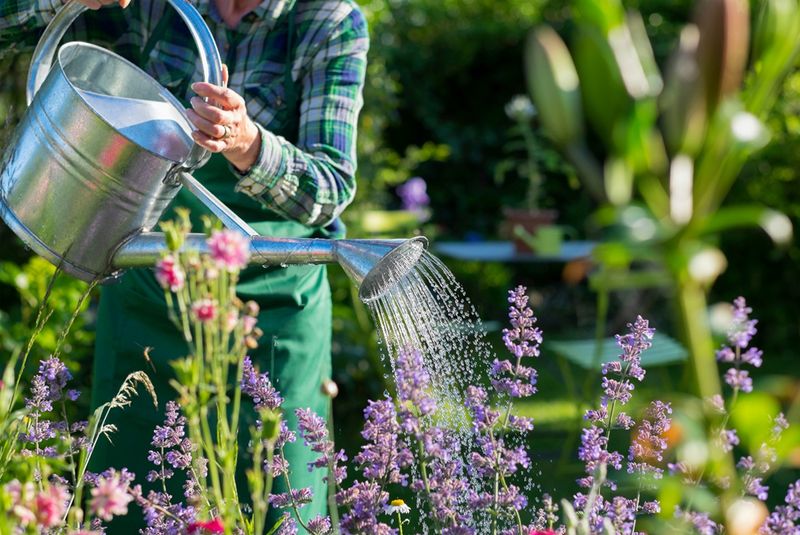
x=292 y=498
x=648 y=443
x=173 y=450
x=56 y=376
x=621 y=512
x=593 y=450
x=40 y=395
x=413 y=194
x=522 y=339
x=740 y=334
x=728 y=438
x=743 y=328
x=160 y=515
x=319 y=525
x=288 y=527
x=314 y=431
x=483 y=417
x=364 y=501
x=755 y=487
x=739 y=380
x=700 y=521
x=785 y=518
x=385 y=454
x=258 y=387
x=413 y=386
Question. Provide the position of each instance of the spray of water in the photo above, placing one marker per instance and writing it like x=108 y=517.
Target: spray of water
x=425 y=308
x=428 y=310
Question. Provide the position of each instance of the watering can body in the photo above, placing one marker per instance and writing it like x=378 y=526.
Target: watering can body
x=97 y=155
x=102 y=150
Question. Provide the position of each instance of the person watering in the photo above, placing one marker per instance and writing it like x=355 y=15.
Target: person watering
x=283 y=134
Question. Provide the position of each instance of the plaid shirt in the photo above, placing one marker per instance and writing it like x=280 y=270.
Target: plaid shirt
x=310 y=181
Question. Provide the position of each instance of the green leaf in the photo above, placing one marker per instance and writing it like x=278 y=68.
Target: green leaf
x=664 y=351
x=777 y=226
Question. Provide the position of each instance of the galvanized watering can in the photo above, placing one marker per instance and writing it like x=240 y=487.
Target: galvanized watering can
x=102 y=150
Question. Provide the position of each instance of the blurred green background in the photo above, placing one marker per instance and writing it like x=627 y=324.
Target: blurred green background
x=440 y=75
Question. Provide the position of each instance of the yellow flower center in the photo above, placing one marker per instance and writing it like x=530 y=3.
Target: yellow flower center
x=397 y=503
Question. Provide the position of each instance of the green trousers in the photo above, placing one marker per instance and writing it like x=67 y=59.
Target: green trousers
x=295 y=349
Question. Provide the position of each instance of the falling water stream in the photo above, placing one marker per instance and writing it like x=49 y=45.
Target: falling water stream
x=427 y=309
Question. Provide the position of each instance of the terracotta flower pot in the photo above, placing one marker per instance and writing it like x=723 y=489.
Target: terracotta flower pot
x=529 y=221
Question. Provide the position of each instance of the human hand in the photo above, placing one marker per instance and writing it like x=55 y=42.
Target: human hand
x=97 y=4
x=222 y=123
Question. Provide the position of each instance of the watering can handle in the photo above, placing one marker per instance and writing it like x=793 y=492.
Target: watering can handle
x=206 y=46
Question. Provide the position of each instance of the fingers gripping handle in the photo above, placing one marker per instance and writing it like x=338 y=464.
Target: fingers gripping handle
x=209 y=57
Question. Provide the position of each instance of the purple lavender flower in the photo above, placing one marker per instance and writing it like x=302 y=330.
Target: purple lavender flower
x=385 y=454
x=160 y=515
x=739 y=380
x=364 y=501
x=755 y=486
x=594 y=452
x=743 y=328
x=632 y=344
x=319 y=525
x=621 y=512
x=523 y=339
x=740 y=334
x=259 y=387
x=700 y=521
x=728 y=438
x=784 y=519
x=40 y=395
x=291 y=498
x=314 y=431
x=648 y=443
x=173 y=450
x=413 y=385
x=56 y=376
x=414 y=194
x=288 y=527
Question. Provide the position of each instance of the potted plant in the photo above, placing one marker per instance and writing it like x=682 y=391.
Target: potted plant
x=521 y=223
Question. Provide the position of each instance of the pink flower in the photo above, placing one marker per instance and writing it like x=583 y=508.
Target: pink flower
x=170 y=274
x=249 y=324
x=22 y=498
x=205 y=310
x=51 y=506
x=212 y=526
x=109 y=498
x=541 y=532
x=229 y=249
x=231 y=320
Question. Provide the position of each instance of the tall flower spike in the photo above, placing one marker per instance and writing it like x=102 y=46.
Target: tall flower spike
x=738 y=352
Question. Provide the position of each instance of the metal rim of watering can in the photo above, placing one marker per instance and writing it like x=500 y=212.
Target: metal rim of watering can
x=374 y=279
x=43 y=55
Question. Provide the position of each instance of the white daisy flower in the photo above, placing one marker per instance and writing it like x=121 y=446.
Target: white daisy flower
x=397 y=506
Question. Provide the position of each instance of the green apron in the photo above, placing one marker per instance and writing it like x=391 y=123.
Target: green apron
x=295 y=316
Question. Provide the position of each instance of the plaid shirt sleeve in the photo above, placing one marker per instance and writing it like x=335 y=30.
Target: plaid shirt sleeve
x=20 y=20
x=314 y=180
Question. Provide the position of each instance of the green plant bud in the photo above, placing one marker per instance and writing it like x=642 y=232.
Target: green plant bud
x=683 y=104
x=776 y=22
x=270 y=424
x=722 y=52
x=605 y=98
x=173 y=236
x=554 y=86
x=602 y=14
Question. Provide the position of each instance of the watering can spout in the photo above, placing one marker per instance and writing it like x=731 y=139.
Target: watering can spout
x=374 y=266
